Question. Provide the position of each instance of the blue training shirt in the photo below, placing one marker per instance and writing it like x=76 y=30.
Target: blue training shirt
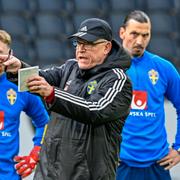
x=12 y=103
x=144 y=134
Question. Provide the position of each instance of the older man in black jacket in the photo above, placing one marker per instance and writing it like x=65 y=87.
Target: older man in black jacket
x=91 y=95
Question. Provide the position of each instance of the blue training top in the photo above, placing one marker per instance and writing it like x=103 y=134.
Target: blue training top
x=12 y=103
x=144 y=134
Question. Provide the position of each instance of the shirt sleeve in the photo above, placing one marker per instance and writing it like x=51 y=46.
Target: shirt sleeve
x=173 y=95
x=36 y=110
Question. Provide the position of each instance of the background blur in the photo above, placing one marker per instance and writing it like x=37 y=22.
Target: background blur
x=40 y=27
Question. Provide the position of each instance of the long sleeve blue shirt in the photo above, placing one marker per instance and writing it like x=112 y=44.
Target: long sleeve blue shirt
x=12 y=103
x=144 y=133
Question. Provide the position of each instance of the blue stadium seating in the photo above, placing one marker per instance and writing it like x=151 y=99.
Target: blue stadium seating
x=177 y=5
x=96 y=7
x=116 y=20
x=160 y=5
x=52 y=6
x=49 y=51
x=20 y=49
x=79 y=17
x=86 y=5
x=122 y=5
x=163 y=46
x=16 y=25
x=43 y=25
x=163 y=23
x=177 y=11
x=53 y=25
x=15 y=6
x=50 y=25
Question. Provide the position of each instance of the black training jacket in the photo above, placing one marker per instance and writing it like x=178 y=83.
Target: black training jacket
x=83 y=139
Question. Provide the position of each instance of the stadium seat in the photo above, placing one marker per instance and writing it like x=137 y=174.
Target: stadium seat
x=20 y=49
x=47 y=23
x=50 y=25
x=52 y=6
x=160 y=5
x=85 y=6
x=177 y=10
x=15 y=6
x=177 y=5
x=79 y=17
x=163 y=46
x=122 y=5
x=163 y=23
x=54 y=25
x=16 y=25
x=49 y=51
x=116 y=20
x=96 y=7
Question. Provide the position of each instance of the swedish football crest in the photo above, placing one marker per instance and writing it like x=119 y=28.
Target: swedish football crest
x=11 y=96
x=91 y=87
x=153 y=76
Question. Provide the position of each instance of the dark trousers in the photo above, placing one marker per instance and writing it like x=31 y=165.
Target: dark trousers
x=153 y=172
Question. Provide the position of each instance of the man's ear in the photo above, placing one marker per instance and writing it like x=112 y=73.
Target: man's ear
x=108 y=47
x=121 y=32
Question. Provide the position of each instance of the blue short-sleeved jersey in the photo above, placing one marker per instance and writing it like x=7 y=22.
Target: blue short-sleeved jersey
x=12 y=103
